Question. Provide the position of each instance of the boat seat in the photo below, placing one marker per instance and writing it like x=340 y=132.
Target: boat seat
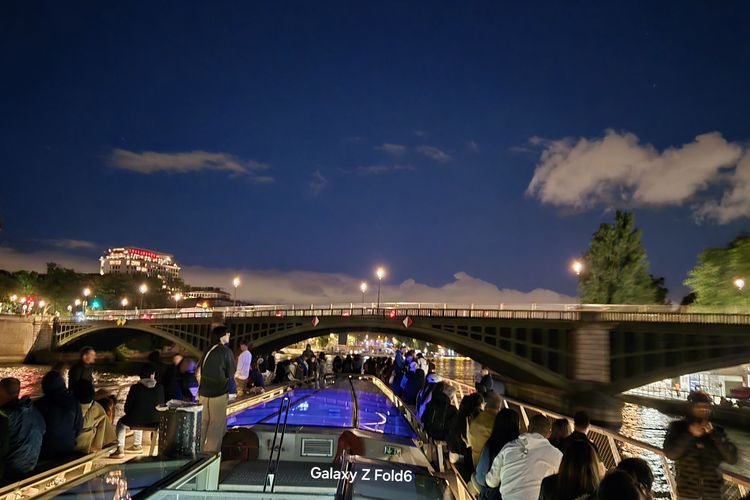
x=153 y=436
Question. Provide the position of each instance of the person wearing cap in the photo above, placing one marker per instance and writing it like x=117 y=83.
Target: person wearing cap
x=698 y=449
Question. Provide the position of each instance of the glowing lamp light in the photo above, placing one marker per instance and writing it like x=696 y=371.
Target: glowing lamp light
x=739 y=283
x=363 y=287
x=42 y=303
x=86 y=292
x=124 y=302
x=577 y=267
x=236 y=281
x=392 y=314
x=380 y=273
x=143 y=288
x=77 y=302
x=13 y=298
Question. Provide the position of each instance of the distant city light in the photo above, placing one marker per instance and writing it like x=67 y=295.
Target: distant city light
x=739 y=283
x=363 y=287
x=236 y=281
x=13 y=298
x=86 y=292
x=124 y=302
x=42 y=303
x=77 y=302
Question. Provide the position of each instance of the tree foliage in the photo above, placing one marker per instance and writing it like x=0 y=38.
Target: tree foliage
x=616 y=269
x=712 y=279
x=60 y=287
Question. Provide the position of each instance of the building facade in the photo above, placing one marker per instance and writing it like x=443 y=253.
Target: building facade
x=131 y=260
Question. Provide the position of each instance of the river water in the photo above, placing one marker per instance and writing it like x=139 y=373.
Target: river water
x=639 y=422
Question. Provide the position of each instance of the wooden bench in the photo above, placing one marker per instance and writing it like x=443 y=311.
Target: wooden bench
x=153 y=436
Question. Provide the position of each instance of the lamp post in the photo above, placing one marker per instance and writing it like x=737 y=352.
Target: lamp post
x=124 y=303
x=236 y=283
x=78 y=304
x=739 y=283
x=86 y=293
x=363 y=289
x=380 y=273
x=177 y=298
x=143 y=289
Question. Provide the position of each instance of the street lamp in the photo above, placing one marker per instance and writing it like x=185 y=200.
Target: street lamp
x=177 y=298
x=86 y=293
x=380 y=273
x=236 y=283
x=42 y=305
x=577 y=267
x=363 y=289
x=78 y=304
x=739 y=283
x=143 y=289
x=124 y=302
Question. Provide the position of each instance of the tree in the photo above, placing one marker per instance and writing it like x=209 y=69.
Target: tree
x=712 y=280
x=616 y=267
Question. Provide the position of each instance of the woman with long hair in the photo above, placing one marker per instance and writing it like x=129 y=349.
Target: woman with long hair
x=460 y=453
x=578 y=477
x=506 y=429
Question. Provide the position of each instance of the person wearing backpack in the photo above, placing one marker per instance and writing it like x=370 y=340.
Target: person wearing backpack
x=215 y=374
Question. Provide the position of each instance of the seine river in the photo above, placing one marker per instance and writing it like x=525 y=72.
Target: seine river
x=639 y=422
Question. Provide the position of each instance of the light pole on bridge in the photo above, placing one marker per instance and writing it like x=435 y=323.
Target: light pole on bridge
x=236 y=283
x=363 y=289
x=380 y=273
x=143 y=289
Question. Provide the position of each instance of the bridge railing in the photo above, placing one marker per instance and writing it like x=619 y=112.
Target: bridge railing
x=612 y=445
x=564 y=312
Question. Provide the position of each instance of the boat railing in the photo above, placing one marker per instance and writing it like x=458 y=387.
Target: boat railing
x=40 y=483
x=273 y=465
x=611 y=444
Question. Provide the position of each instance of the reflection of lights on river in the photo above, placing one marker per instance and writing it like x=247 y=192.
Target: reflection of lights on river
x=120 y=481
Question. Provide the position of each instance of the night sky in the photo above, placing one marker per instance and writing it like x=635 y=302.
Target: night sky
x=464 y=145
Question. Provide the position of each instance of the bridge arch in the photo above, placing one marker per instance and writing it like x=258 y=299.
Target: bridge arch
x=183 y=343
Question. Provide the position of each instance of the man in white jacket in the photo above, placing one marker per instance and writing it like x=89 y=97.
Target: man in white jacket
x=522 y=464
x=243 y=368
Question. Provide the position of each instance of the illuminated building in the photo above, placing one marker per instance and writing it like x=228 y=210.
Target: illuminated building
x=139 y=261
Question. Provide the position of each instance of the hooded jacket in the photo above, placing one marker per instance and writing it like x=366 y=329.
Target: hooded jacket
x=141 y=403
x=521 y=465
x=62 y=417
x=25 y=428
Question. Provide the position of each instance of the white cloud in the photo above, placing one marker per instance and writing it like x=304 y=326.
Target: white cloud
x=377 y=169
x=71 y=244
x=735 y=203
x=392 y=149
x=305 y=287
x=435 y=154
x=317 y=183
x=618 y=169
x=472 y=146
x=150 y=162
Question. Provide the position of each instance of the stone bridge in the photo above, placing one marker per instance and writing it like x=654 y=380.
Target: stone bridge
x=569 y=349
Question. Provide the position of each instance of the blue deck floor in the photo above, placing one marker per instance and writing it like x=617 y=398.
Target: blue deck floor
x=332 y=407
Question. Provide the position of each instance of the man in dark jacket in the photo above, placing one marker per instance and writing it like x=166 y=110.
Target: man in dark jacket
x=171 y=382
x=699 y=448
x=439 y=412
x=485 y=383
x=82 y=369
x=140 y=409
x=216 y=369
x=62 y=417
x=25 y=428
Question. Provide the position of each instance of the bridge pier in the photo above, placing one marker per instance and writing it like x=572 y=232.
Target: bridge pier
x=591 y=352
x=23 y=336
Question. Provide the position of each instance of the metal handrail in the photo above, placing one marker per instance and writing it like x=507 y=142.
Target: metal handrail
x=565 y=312
x=609 y=438
x=53 y=478
x=272 y=469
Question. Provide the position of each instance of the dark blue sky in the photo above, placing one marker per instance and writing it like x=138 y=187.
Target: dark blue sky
x=313 y=89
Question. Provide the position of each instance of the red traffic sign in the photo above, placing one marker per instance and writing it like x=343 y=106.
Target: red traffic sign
x=315 y=321
x=407 y=322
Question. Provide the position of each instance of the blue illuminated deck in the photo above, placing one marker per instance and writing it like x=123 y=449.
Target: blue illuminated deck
x=332 y=407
